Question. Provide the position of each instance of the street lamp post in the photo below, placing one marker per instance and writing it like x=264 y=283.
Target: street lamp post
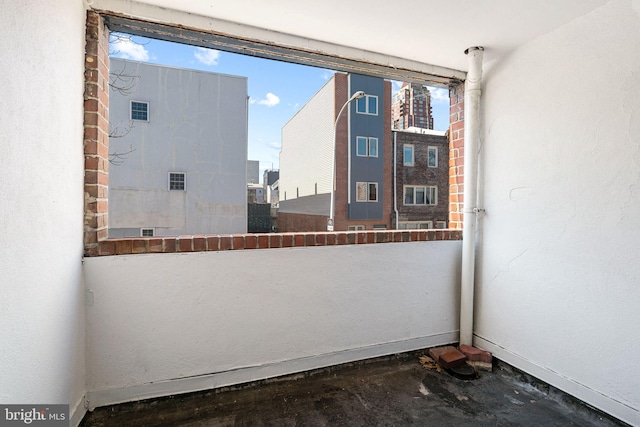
x=357 y=95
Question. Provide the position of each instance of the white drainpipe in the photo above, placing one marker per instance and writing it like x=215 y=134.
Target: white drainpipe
x=472 y=91
x=395 y=179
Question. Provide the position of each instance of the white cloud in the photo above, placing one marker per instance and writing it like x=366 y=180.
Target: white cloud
x=270 y=100
x=207 y=56
x=126 y=48
x=327 y=74
x=396 y=85
x=439 y=95
x=276 y=145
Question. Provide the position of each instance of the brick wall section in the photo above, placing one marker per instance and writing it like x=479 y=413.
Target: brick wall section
x=421 y=174
x=96 y=132
x=342 y=153
x=387 y=202
x=294 y=222
x=456 y=156
x=225 y=242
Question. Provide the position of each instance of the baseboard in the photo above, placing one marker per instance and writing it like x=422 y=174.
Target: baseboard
x=99 y=398
x=592 y=397
x=77 y=412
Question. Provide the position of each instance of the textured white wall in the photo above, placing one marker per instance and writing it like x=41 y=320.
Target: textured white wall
x=307 y=147
x=170 y=323
x=558 y=275
x=41 y=202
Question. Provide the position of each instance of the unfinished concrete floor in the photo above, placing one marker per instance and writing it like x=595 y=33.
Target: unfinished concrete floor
x=392 y=391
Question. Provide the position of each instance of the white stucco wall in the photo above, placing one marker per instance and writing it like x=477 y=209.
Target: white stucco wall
x=558 y=275
x=307 y=147
x=41 y=203
x=197 y=125
x=170 y=323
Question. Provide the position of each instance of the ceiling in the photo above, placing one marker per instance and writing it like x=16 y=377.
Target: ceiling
x=429 y=31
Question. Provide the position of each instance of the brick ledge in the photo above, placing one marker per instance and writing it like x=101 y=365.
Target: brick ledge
x=223 y=242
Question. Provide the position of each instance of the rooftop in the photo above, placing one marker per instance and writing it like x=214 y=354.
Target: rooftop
x=395 y=391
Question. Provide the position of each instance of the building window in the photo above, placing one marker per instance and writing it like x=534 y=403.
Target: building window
x=432 y=160
x=441 y=224
x=146 y=232
x=355 y=228
x=177 y=181
x=366 y=191
x=373 y=147
x=140 y=111
x=415 y=225
x=420 y=195
x=408 y=155
x=366 y=147
x=368 y=104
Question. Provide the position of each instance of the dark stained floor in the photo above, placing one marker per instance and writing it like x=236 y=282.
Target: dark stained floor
x=391 y=391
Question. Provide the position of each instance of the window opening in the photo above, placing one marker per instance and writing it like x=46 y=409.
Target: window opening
x=366 y=191
x=367 y=105
x=147 y=232
x=415 y=225
x=140 y=111
x=355 y=228
x=420 y=195
x=408 y=155
x=366 y=146
x=432 y=157
x=177 y=181
x=208 y=58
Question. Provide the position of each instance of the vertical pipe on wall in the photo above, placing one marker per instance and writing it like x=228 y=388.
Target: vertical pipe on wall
x=349 y=151
x=472 y=91
x=395 y=180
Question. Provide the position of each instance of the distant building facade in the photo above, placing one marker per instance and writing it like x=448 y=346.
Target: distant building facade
x=411 y=107
x=178 y=150
x=422 y=179
x=271 y=182
x=255 y=193
x=262 y=202
x=270 y=176
x=363 y=158
x=253 y=171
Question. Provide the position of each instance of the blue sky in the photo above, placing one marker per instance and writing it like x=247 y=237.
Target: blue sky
x=276 y=89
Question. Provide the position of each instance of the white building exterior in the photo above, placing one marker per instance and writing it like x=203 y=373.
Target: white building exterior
x=557 y=271
x=307 y=154
x=179 y=155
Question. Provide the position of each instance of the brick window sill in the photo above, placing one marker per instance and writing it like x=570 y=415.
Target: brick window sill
x=224 y=242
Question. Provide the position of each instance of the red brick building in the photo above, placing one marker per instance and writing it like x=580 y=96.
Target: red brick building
x=421 y=179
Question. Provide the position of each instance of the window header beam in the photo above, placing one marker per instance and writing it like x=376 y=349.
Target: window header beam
x=384 y=66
